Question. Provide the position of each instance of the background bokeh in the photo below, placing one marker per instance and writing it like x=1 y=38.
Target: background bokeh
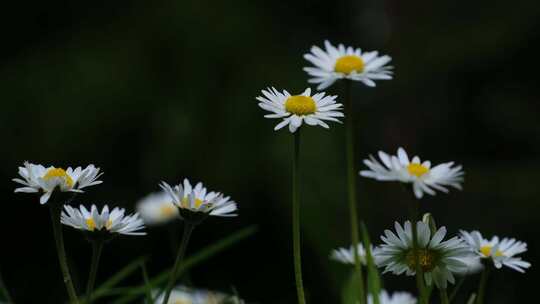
x=162 y=90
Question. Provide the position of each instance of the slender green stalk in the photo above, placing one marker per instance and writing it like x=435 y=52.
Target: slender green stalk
x=5 y=291
x=418 y=268
x=296 y=219
x=423 y=295
x=457 y=288
x=55 y=210
x=482 y=285
x=147 y=285
x=444 y=296
x=188 y=229
x=351 y=185
x=97 y=248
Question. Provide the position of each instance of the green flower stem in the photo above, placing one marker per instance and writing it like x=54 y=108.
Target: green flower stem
x=5 y=291
x=97 y=248
x=351 y=185
x=55 y=210
x=188 y=229
x=296 y=219
x=444 y=296
x=423 y=295
x=457 y=288
x=419 y=273
x=482 y=285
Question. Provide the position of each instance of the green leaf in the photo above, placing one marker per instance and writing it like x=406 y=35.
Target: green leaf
x=373 y=277
x=132 y=293
x=119 y=276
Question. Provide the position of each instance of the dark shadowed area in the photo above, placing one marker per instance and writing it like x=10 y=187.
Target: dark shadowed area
x=162 y=90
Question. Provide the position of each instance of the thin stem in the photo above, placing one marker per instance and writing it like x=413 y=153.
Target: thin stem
x=146 y=283
x=351 y=185
x=423 y=295
x=418 y=269
x=55 y=210
x=444 y=296
x=482 y=285
x=456 y=289
x=296 y=219
x=97 y=248
x=188 y=229
x=5 y=291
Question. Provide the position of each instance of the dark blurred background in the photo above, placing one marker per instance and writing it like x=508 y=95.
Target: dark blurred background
x=162 y=90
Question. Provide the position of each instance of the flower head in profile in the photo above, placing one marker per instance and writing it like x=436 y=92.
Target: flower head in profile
x=503 y=252
x=423 y=177
x=438 y=259
x=157 y=208
x=105 y=223
x=185 y=295
x=346 y=255
x=342 y=62
x=395 y=298
x=37 y=178
x=294 y=110
x=197 y=201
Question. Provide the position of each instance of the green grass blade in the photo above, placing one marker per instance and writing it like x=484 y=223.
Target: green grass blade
x=119 y=276
x=373 y=277
x=195 y=259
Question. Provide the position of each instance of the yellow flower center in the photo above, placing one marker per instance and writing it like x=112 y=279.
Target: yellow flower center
x=348 y=64
x=92 y=225
x=486 y=251
x=417 y=169
x=426 y=258
x=185 y=202
x=181 y=301
x=167 y=210
x=300 y=105
x=61 y=173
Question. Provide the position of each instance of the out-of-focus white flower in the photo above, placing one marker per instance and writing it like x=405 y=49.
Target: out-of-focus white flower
x=37 y=178
x=185 y=295
x=346 y=255
x=395 y=298
x=157 y=208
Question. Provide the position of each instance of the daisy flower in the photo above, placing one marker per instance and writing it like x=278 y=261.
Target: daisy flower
x=502 y=252
x=473 y=264
x=294 y=110
x=157 y=208
x=346 y=63
x=438 y=259
x=395 y=298
x=111 y=222
x=185 y=295
x=37 y=178
x=346 y=255
x=423 y=177
x=198 y=201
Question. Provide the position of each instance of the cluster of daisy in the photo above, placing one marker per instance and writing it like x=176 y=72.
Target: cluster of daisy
x=186 y=202
x=411 y=243
x=414 y=245
x=440 y=260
